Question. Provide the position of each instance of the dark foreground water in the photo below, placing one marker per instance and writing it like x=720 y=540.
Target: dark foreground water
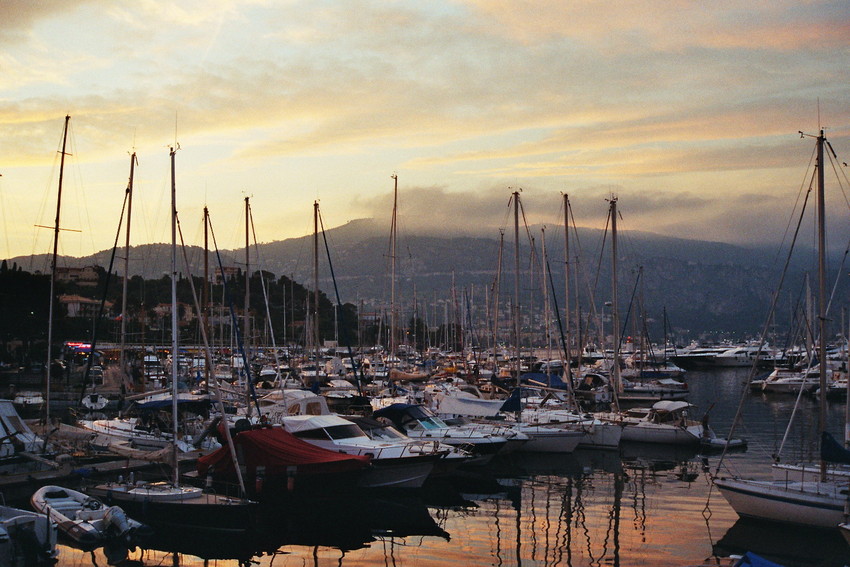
x=641 y=506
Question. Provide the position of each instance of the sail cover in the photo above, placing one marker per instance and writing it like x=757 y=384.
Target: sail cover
x=832 y=451
x=277 y=451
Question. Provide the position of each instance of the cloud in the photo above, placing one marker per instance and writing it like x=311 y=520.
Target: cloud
x=301 y=100
x=676 y=25
x=742 y=218
x=19 y=16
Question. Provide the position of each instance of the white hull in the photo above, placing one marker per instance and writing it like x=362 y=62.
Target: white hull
x=84 y=519
x=595 y=433
x=411 y=472
x=26 y=538
x=601 y=436
x=810 y=504
x=550 y=439
x=661 y=433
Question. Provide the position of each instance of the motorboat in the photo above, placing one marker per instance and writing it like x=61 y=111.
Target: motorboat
x=665 y=422
x=418 y=422
x=790 y=381
x=28 y=403
x=26 y=538
x=395 y=463
x=274 y=464
x=85 y=519
x=741 y=356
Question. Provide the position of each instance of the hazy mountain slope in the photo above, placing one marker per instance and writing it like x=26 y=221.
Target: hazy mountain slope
x=703 y=285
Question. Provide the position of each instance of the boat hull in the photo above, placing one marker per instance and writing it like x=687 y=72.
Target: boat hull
x=26 y=538
x=659 y=433
x=161 y=504
x=785 y=502
x=550 y=440
x=405 y=472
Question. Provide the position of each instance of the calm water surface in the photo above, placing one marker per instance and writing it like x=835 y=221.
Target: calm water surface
x=641 y=506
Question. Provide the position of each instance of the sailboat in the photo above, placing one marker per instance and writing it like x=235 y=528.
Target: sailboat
x=822 y=502
x=544 y=436
x=169 y=503
x=666 y=421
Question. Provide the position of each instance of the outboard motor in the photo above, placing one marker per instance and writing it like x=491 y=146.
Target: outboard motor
x=116 y=520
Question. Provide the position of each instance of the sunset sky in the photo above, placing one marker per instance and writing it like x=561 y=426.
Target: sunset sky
x=688 y=111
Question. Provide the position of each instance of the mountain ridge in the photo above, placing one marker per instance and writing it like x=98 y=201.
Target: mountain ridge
x=704 y=286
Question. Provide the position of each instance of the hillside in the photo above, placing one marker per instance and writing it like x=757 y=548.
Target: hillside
x=703 y=286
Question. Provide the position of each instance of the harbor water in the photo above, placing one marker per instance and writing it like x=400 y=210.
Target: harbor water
x=639 y=506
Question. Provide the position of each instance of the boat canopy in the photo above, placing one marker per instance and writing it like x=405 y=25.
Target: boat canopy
x=296 y=423
x=398 y=412
x=277 y=451
x=670 y=406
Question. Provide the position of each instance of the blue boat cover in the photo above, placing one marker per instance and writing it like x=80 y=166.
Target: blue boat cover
x=396 y=412
x=552 y=380
x=832 y=451
x=513 y=403
x=750 y=559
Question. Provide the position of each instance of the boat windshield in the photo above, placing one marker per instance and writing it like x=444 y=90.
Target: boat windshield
x=432 y=423
x=331 y=432
x=344 y=431
x=386 y=433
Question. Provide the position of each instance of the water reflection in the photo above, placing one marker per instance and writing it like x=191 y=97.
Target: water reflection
x=789 y=545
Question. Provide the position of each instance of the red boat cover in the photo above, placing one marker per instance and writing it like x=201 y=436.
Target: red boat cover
x=277 y=451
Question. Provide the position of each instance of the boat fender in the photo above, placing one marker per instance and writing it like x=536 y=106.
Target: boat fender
x=258 y=481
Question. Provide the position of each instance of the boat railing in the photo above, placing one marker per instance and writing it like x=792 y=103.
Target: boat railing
x=423 y=448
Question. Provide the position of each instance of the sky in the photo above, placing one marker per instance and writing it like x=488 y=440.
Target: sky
x=688 y=112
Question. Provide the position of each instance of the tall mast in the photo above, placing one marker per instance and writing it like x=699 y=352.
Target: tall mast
x=393 y=230
x=247 y=325
x=546 y=307
x=516 y=285
x=567 y=353
x=174 y=365
x=205 y=290
x=316 y=280
x=52 y=306
x=822 y=297
x=615 y=315
x=123 y=356
x=497 y=286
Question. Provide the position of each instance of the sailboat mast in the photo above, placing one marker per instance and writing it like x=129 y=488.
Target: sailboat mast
x=247 y=325
x=393 y=231
x=546 y=306
x=52 y=306
x=205 y=290
x=123 y=354
x=316 y=281
x=567 y=353
x=496 y=287
x=615 y=315
x=174 y=356
x=822 y=297
x=516 y=285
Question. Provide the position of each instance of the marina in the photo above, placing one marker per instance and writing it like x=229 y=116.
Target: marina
x=642 y=504
x=415 y=284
